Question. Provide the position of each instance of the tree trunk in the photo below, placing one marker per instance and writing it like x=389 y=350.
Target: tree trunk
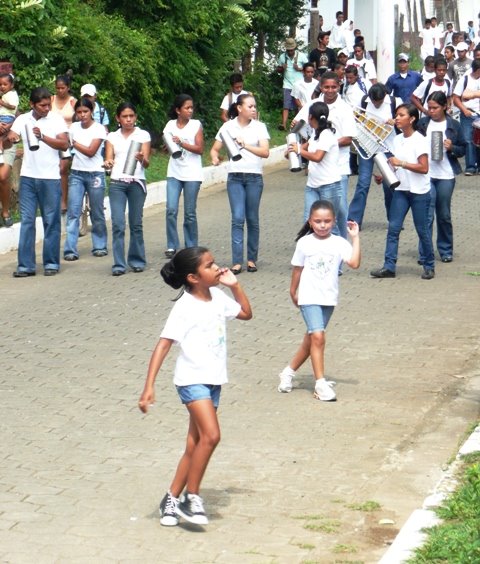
x=260 y=48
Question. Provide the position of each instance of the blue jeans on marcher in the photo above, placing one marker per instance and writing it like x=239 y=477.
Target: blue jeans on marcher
x=440 y=207
x=93 y=183
x=190 y=228
x=334 y=194
x=44 y=194
x=120 y=194
x=244 y=194
x=402 y=201
x=358 y=204
x=472 y=153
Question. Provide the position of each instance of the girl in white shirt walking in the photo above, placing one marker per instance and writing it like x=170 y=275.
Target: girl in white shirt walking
x=314 y=289
x=184 y=173
x=197 y=324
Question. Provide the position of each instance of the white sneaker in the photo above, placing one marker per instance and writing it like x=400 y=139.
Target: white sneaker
x=324 y=391
x=286 y=377
x=168 y=510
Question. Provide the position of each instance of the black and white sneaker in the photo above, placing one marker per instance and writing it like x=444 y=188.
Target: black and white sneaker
x=168 y=510
x=191 y=509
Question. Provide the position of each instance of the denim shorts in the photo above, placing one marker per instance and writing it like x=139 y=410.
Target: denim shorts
x=196 y=392
x=316 y=317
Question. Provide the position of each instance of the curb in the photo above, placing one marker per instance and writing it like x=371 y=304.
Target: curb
x=412 y=535
x=156 y=194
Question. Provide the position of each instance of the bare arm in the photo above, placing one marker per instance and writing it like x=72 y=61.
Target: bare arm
x=89 y=151
x=421 y=166
x=215 y=152
x=354 y=232
x=229 y=280
x=295 y=281
x=418 y=104
x=156 y=360
x=198 y=145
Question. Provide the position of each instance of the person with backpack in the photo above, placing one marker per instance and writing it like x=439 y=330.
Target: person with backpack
x=290 y=64
x=436 y=84
x=381 y=107
x=100 y=114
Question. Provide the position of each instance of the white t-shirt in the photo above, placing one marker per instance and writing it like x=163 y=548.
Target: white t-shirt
x=189 y=165
x=326 y=171
x=11 y=98
x=230 y=98
x=45 y=162
x=472 y=84
x=409 y=149
x=341 y=116
x=303 y=91
x=439 y=169
x=428 y=43
x=321 y=260
x=353 y=93
x=365 y=67
x=84 y=136
x=199 y=329
x=251 y=134
x=419 y=91
x=120 y=148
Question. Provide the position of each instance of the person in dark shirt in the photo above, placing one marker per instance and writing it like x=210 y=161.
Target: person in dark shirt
x=402 y=83
x=322 y=56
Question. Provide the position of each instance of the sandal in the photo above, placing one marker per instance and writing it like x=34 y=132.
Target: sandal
x=251 y=266
x=236 y=268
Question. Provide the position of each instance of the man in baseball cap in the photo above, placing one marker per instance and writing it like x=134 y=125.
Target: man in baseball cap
x=100 y=114
x=290 y=64
x=402 y=83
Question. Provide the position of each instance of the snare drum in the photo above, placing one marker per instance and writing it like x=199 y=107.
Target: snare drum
x=476 y=133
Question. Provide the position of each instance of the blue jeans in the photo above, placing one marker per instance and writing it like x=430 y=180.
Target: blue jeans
x=190 y=228
x=93 y=183
x=132 y=193
x=333 y=193
x=402 y=201
x=440 y=206
x=472 y=153
x=244 y=194
x=358 y=204
x=44 y=194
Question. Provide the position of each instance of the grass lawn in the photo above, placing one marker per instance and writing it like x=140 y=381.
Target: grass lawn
x=457 y=538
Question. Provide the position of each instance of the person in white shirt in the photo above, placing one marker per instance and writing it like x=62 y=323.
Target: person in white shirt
x=184 y=173
x=355 y=87
x=365 y=67
x=436 y=84
x=87 y=175
x=314 y=290
x=245 y=180
x=236 y=88
x=381 y=106
x=44 y=134
x=410 y=150
x=303 y=89
x=127 y=186
x=428 y=39
x=337 y=35
x=341 y=116
x=466 y=97
x=197 y=324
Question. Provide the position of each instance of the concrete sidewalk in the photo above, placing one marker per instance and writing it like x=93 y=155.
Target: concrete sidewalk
x=294 y=480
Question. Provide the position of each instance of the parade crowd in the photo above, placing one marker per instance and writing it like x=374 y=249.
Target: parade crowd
x=332 y=99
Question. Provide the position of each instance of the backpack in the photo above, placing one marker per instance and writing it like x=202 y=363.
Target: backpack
x=429 y=85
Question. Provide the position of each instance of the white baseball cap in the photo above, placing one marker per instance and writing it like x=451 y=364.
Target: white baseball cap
x=88 y=90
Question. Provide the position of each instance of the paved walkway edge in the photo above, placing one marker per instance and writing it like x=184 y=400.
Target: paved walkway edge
x=156 y=194
x=411 y=535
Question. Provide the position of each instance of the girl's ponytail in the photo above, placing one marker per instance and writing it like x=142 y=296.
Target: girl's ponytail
x=319 y=112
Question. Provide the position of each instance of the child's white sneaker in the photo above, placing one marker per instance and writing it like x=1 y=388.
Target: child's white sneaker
x=324 y=391
x=286 y=377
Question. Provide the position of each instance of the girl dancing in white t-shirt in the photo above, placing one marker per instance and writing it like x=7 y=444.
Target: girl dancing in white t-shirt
x=197 y=324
